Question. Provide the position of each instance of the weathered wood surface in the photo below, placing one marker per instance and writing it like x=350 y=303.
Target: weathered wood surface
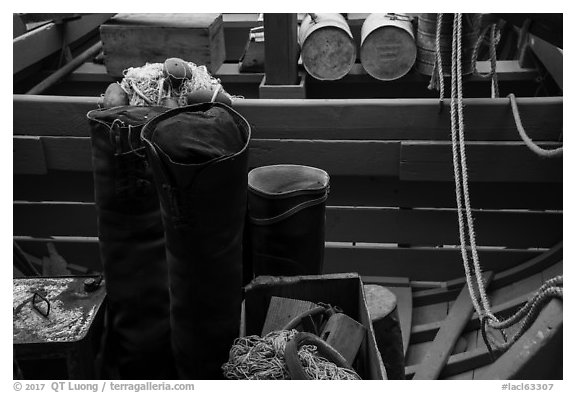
x=535 y=354
x=338 y=119
x=229 y=73
x=344 y=224
x=363 y=191
x=339 y=257
x=495 y=161
x=37 y=44
x=132 y=40
x=281 y=49
x=452 y=327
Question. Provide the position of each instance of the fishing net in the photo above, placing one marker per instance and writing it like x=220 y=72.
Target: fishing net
x=147 y=85
x=259 y=358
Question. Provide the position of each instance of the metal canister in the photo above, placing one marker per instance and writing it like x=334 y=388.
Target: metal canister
x=388 y=48
x=327 y=47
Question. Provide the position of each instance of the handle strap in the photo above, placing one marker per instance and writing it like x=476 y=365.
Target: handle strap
x=290 y=212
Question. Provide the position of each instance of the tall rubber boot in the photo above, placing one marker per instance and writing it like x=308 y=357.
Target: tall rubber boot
x=199 y=157
x=131 y=238
x=287 y=211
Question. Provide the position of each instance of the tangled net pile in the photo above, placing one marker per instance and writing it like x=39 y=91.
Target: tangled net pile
x=147 y=85
x=256 y=358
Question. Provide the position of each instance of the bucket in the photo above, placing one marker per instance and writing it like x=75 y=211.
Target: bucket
x=327 y=47
x=426 y=43
x=287 y=210
x=388 y=48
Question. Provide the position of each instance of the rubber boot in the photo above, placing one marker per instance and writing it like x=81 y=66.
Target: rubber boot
x=131 y=238
x=287 y=212
x=199 y=157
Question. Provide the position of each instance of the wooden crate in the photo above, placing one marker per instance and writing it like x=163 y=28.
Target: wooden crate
x=132 y=40
x=343 y=290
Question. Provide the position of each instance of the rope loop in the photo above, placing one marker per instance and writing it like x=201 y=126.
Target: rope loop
x=546 y=153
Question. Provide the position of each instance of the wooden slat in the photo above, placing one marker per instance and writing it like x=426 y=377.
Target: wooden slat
x=42 y=219
x=487 y=161
x=363 y=119
x=551 y=56
x=536 y=265
x=505 y=161
x=344 y=191
x=536 y=353
x=418 y=263
x=452 y=327
x=336 y=157
x=28 y=155
x=503 y=304
x=471 y=344
x=229 y=73
x=79 y=251
x=37 y=44
x=370 y=158
x=439 y=226
x=413 y=262
x=430 y=313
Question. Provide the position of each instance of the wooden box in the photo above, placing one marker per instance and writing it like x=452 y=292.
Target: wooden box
x=63 y=342
x=132 y=40
x=344 y=290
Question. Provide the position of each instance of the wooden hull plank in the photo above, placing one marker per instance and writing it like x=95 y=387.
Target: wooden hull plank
x=535 y=354
x=452 y=328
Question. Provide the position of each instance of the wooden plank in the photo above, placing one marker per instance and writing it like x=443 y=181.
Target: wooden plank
x=486 y=195
x=439 y=226
x=83 y=252
x=404 y=305
x=344 y=191
x=445 y=339
x=283 y=310
x=37 y=44
x=550 y=258
x=338 y=119
x=381 y=260
x=54 y=186
x=281 y=48
x=470 y=340
x=28 y=156
x=459 y=363
x=505 y=301
x=416 y=261
x=551 y=56
x=41 y=219
x=536 y=353
x=363 y=158
x=336 y=157
x=487 y=161
x=430 y=313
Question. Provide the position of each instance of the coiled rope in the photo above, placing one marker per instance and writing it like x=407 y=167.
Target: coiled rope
x=263 y=358
x=553 y=287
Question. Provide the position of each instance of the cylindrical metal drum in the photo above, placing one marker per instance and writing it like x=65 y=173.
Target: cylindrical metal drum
x=327 y=47
x=426 y=43
x=388 y=50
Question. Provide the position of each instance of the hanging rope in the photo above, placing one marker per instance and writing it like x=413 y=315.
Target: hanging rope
x=473 y=271
x=437 y=78
x=493 y=41
x=531 y=145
